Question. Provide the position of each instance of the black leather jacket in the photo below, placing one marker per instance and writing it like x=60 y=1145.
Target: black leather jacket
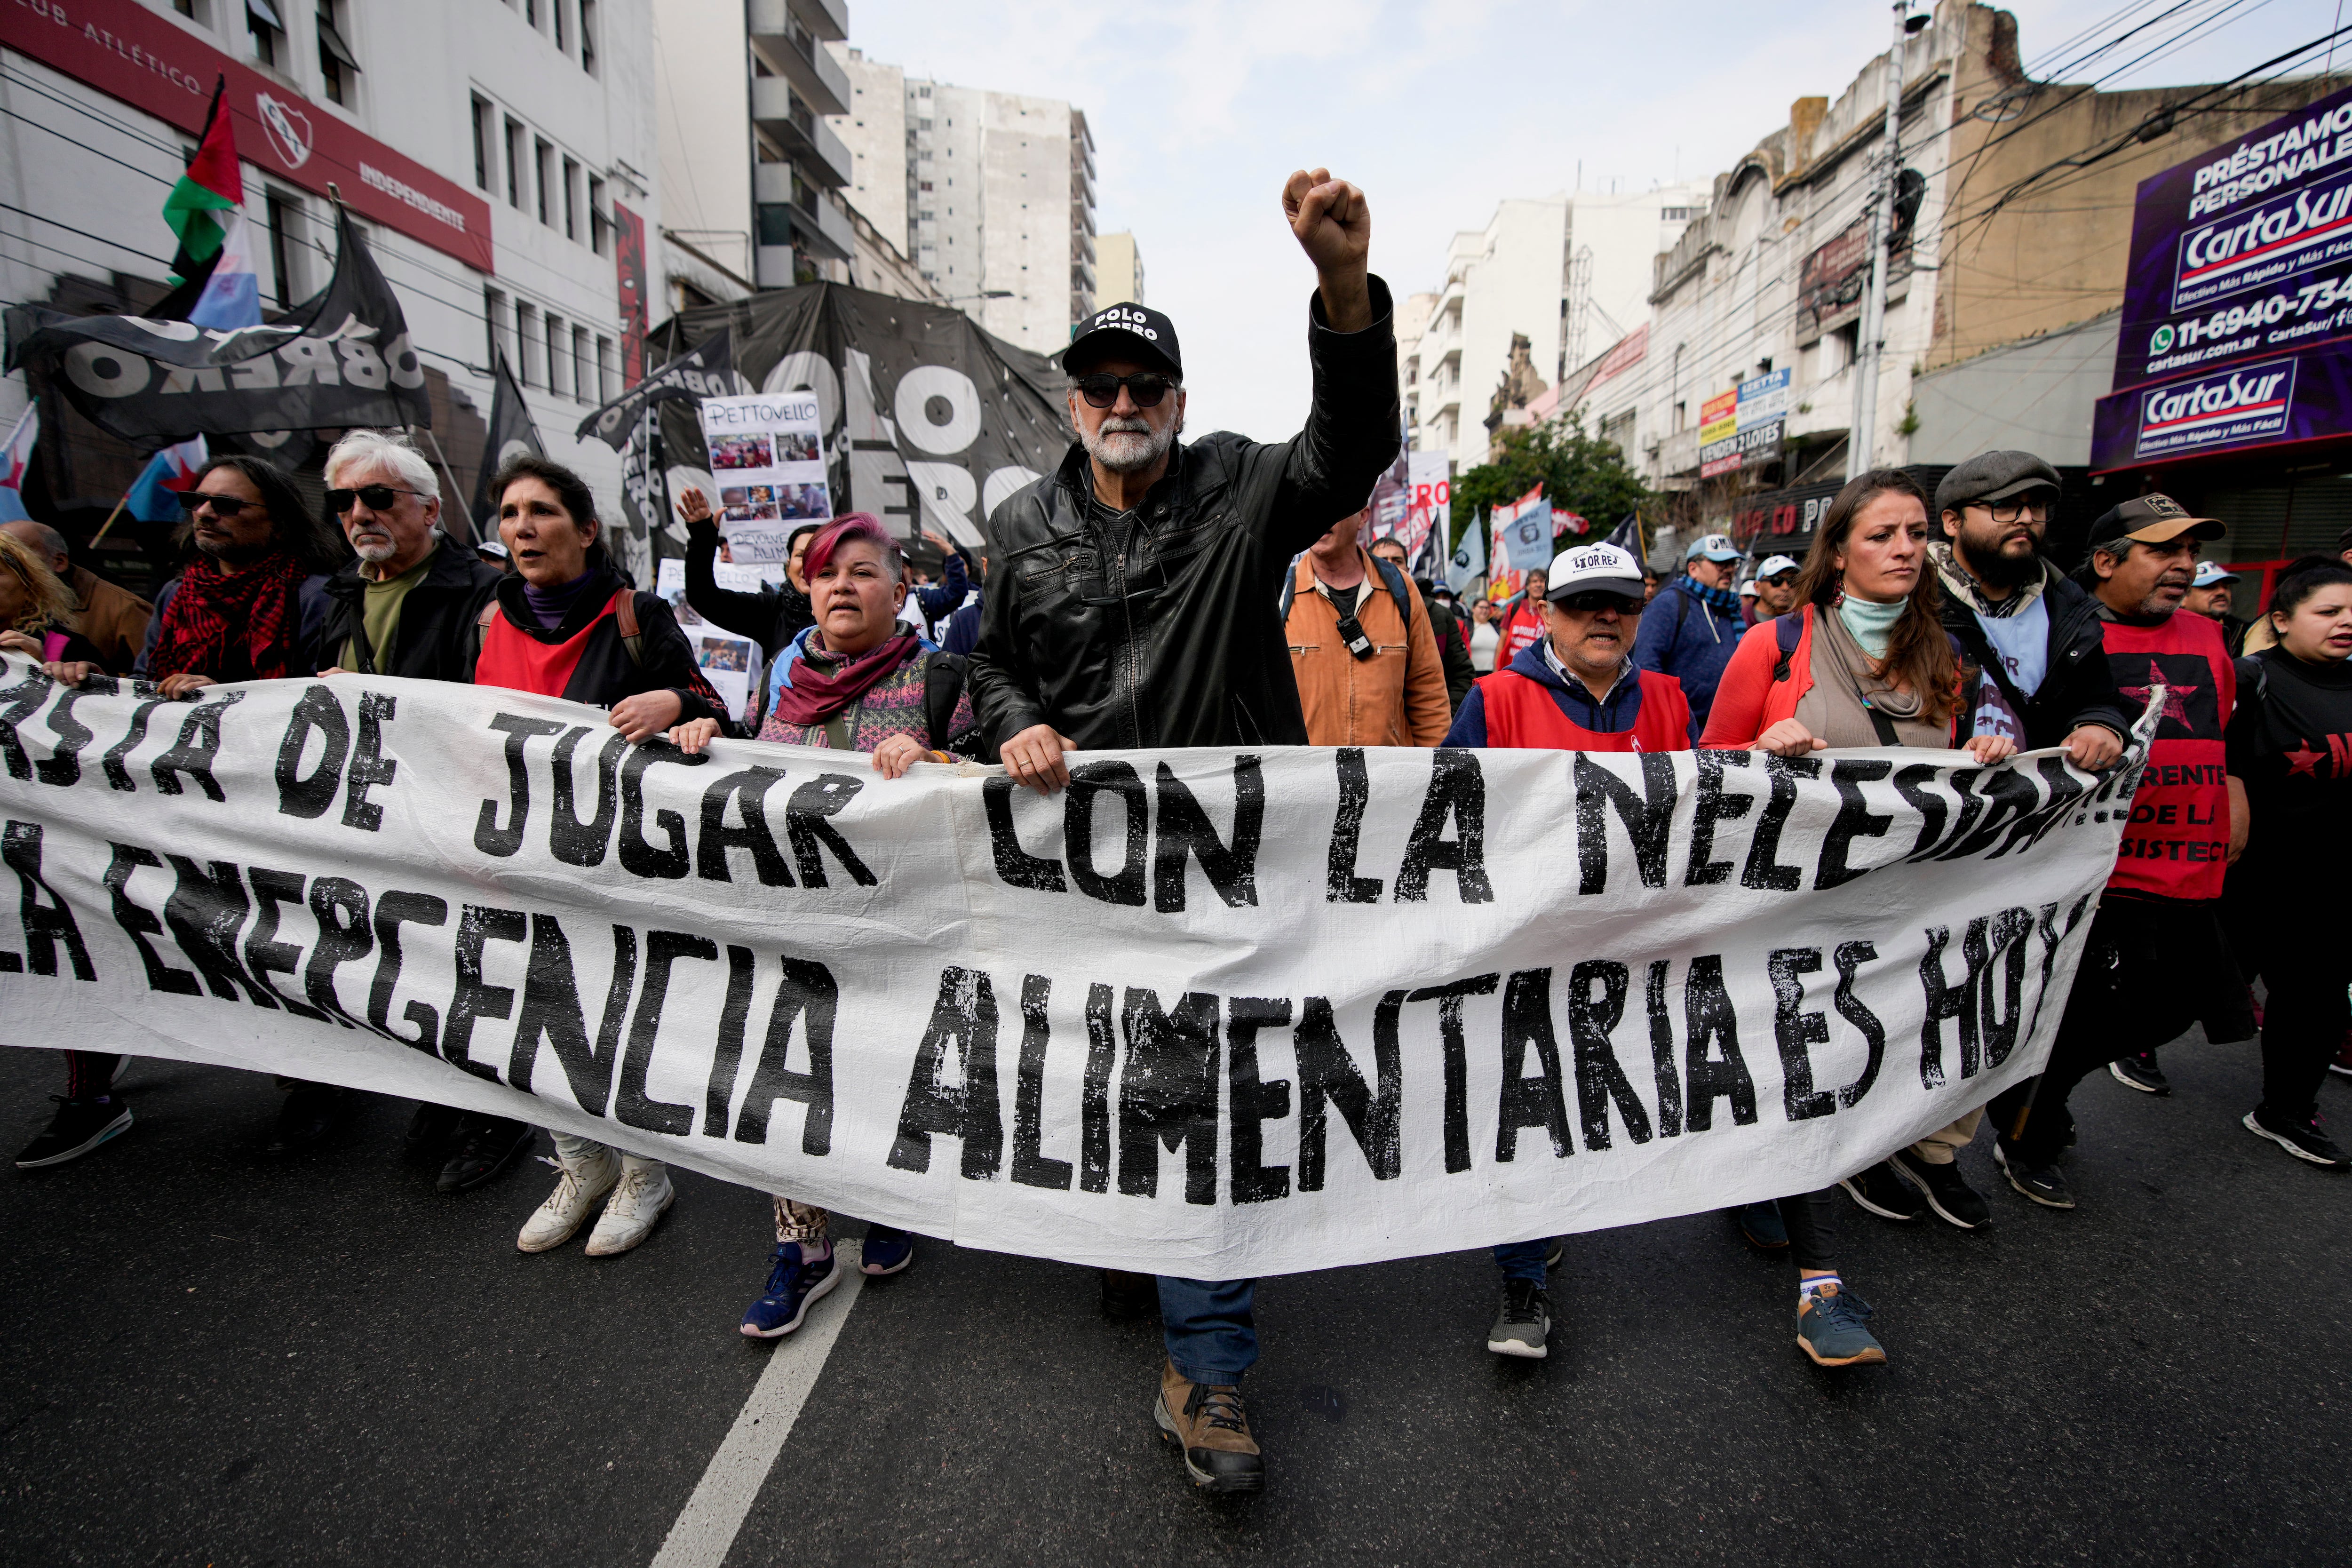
x=1161 y=627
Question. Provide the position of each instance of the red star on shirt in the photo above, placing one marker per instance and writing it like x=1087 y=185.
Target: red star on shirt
x=2176 y=693
x=2304 y=759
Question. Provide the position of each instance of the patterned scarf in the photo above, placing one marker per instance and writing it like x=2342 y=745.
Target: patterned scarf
x=1724 y=600
x=823 y=683
x=231 y=628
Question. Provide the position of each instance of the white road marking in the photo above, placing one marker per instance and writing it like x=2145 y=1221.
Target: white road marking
x=706 y=1526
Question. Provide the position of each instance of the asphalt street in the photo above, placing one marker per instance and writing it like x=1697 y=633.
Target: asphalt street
x=212 y=1356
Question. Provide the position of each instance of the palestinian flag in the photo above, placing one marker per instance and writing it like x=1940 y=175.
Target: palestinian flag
x=204 y=203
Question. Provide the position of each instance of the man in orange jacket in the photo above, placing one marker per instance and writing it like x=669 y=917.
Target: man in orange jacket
x=1368 y=664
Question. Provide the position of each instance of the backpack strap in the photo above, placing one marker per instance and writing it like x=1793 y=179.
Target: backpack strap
x=625 y=616
x=1787 y=632
x=1399 y=590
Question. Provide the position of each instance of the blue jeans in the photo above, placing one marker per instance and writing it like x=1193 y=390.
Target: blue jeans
x=1522 y=1259
x=1210 y=1327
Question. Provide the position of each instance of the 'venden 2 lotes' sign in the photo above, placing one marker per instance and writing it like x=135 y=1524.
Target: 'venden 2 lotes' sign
x=1205 y=1013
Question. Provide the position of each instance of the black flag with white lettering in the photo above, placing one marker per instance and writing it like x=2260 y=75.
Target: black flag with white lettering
x=512 y=435
x=342 y=357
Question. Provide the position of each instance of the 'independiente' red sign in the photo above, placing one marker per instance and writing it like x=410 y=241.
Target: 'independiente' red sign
x=156 y=66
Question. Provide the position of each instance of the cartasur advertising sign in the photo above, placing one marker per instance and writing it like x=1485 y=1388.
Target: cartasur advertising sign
x=2237 y=317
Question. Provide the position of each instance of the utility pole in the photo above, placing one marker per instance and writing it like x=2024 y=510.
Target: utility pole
x=1870 y=343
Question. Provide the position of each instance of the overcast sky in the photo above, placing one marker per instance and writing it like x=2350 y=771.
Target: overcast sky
x=1438 y=108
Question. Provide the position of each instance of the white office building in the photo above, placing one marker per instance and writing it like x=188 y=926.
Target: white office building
x=996 y=191
x=498 y=155
x=1558 y=270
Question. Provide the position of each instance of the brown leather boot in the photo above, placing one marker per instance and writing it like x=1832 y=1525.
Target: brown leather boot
x=1209 y=1423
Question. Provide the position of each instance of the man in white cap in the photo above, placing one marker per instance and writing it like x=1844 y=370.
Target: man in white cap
x=1776 y=587
x=1576 y=689
x=1579 y=689
x=1694 y=628
x=2209 y=596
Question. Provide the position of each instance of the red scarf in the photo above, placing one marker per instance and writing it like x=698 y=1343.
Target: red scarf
x=231 y=628
x=818 y=691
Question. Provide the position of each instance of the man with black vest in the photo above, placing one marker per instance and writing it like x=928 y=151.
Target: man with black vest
x=1132 y=603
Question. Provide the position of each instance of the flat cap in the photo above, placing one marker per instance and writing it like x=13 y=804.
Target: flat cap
x=1994 y=476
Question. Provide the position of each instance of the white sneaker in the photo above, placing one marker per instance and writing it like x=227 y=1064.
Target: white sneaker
x=583 y=1181
x=644 y=1190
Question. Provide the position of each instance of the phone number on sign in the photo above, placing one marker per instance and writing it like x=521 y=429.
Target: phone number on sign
x=2293 y=305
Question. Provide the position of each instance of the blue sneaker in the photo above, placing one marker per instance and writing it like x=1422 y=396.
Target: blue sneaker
x=1830 y=1329
x=793 y=1288
x=888 y=1249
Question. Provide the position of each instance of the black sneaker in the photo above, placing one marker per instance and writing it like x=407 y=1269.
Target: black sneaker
x=2043 y=1184
x=2140 y=1072
x=1947 y=1191
x=486 y=1145
x=2340 y=1064
x=1128 y=1297
x=430 y=1129
x=1885 y=1193
x=1761 y=1226
x=80 y=1126
x=1524 y=1322
x=310 y=1112
x=2304 y=1139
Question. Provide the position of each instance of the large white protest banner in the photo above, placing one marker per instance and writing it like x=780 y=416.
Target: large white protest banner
x=1203 y=1013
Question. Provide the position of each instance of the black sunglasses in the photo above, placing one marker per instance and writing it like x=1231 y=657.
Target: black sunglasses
x=223 y=506
x=378 y=498
x=1594 y=600
x=1101 y=389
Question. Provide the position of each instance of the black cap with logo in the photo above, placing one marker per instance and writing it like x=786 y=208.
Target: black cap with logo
x=1124 y=332
x=2151 y=519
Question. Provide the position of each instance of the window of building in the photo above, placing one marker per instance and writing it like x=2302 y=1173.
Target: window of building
x=571 y=198
x=1682 y=416
x=514 y=164
x=922 y=93
x=608 y=378
x=530 y=12
x=588 y=35
x=775 y=221
x=529 y=365
x=494 y=318
x=543 y=166
x=483 y=157
x=268 y=33
x=337 y=67
x=284 y=214
x=600 y=220
x=924 y=185
x=557 y=375
x=555 y=12
x=584 y=366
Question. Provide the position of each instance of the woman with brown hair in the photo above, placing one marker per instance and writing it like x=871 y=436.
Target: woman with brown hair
x=1863 y=661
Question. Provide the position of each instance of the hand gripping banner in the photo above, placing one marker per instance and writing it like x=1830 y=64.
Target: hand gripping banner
x=1204 y=1013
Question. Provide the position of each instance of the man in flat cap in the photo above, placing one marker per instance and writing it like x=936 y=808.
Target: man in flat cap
x=2029 y=639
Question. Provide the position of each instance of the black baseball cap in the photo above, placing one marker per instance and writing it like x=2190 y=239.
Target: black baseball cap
x=1126 y=331
x=2152 y=519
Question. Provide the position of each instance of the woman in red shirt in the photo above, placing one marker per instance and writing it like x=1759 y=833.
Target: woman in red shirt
x=1863 y=661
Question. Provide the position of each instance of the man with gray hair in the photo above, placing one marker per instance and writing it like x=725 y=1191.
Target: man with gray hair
x=408 y=607
x=408 y=604
x=1134 y=602
x=112 y=618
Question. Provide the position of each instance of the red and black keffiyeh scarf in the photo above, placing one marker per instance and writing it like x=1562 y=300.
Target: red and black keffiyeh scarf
x=231 y=628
